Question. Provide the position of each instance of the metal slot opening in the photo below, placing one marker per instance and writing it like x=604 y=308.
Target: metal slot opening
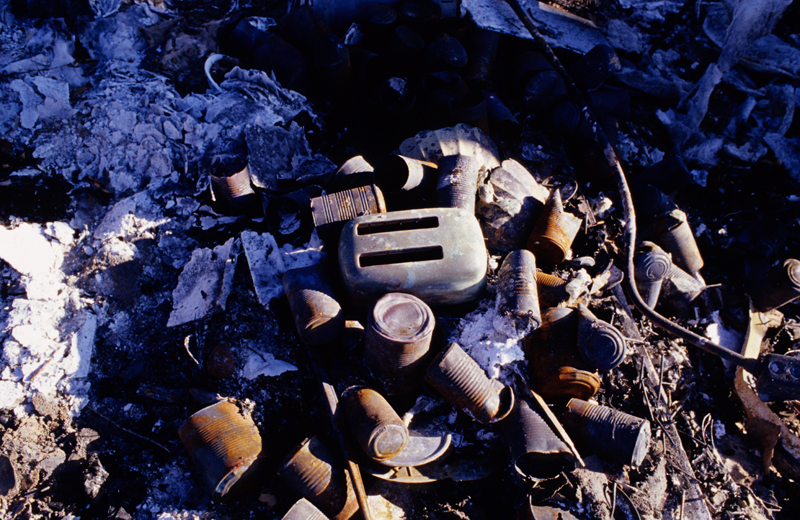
x=421 y=254
x=371 y=228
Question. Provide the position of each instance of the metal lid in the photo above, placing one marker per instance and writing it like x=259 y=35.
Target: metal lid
x=402 y=317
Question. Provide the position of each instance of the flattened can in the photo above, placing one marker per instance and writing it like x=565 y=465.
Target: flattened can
x=376 y=426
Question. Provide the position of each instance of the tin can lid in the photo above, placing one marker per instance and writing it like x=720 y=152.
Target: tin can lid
x=402 y=317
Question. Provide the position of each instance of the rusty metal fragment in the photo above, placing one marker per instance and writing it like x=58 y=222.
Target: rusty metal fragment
x=555 y=229
x=552 y=290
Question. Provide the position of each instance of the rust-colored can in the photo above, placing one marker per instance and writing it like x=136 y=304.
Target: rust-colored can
x=317 y=314
x=672 y=232
x=460 y=380
x=600 y=343
x=613 y=434
x=235 y=189
x=537 y=452
x=458 y=182
x=398 y=338
x=304 y=510
x=651 y=265
x=224 y=445
x=346 y=205
x=551 y=289
x=555 y=230
x=777 y=286
x=376 y=426
x=313 y=472
x=517 y=294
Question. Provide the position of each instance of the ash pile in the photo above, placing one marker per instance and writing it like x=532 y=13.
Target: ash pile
x=419 y=259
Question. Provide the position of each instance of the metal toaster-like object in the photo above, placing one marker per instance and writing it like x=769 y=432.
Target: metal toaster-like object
x=436 y=254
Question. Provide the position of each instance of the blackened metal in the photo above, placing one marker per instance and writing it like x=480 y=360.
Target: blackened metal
x=613 y=434
x=460 y=380
x=291 y=67
x=458 y=182
x=551 y=289
x=301 y=28
x=777 y=286
x=482 y=49
x=611 y=102
x=333 y=63
x=398 y=338
x=405 y=45
x=600 y=343
x=501 y=120
x=537 y=452
x=679 y=289
x=236 y=188
x=779 y=379
x=446 y=52
x=376 y=426
x=224 y=445
x=317 y=314
x=304 y=510
x=397 y=172
x=651 y=266
x=594 y=67
x=436 y=254
x=555 y=230
x=331 y=211
x=313 y=472
x=289 y=215
x=672 y=232
x=517 y=294
x=354 y=172
x=470 y=109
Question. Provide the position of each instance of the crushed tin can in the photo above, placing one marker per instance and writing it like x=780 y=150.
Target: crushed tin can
x=317 y=314
x=600 y=343
x=651 y=266
x=304 y=510
x=671 y=231
x=224 y=445
x=313 y=472
x=537 y=452
x=330 y=212
x=436 y=254
x=517 y=294
x=557 y=369
x=679 y=289
x=554 y=231
x=777 y=286
x=613 y=434
x=460 y=380
x=551 y=289
x=354 y=172
x=457 y=183
x=378 y=429
x=398 y=337
x=396 y=172
x=595 y=67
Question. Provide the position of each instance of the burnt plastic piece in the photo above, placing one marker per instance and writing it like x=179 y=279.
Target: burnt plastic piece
x=304 y=510
x=613 y=434
x=672 y=232
x=777 y=286
x=555 y=230
x=594 y=67
x=651 y=265
x=517 y=294
x=460 y=380
x=398 y=338
x=376 y=426
x=436 y=254
x=457 y=183
x=224 y=445
x=330 y=212
x=600 y=343
x=313 y=472
x=317 y=314
x=537 y=452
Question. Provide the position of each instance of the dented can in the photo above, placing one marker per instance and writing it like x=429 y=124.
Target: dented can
x=304 y=510
x=615 y=435
x=458 y=182
x=517 y=294
x=317 y=314
x=313 y=472
x=651 y=266
x=460 y=380
x=777 y=286
x=555 y=230
x=537 y=452
x=224 y=445
x=376 y=426
x=600 y=343
x=672 y=232
x=398 y=338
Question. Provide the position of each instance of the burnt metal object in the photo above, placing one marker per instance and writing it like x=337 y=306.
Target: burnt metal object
x=290 y=215
x=313 y=472
x=399 y=173
x=517 y=294
x=600 y=343
x=501 y=120
x=552 y=290
x=446 y=52
x=594 y=67
x=436 y=254
x=777 y=286
x=471 y=110
x=482 y=50
x=537 y=452
x=330 y=212
x=376 y=426
x=555 y=230
x=235 y=188
x=224 y=445
x=317 y=314
x=354 y=172
x=613 y=434
x=672 y=232
x=457 y=183
x=652 y=266
x=779 y=379
x=304 y=510
x=539 y=84
x=679 y=289
x=460 y=380
x=398 y=338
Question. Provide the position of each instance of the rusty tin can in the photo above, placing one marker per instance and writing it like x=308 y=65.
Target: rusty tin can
x=777 y=286
x=551 y=289
x=672 y=232
x=224 y=445
x=235 y=189
x=397 y=172
x=331 y=211
x=600 y=343
x=436 y=254
x=313 y=472
x=354 y=172
x=651 y=265
x=460 y=380
x=376 y=426
x=555 y=230
x=304 y=510
x=615 y=435
x=517 y=294
x=398 y=338
x=458 y=182
x=537 y=452
x=317 y=314
x=482 y=50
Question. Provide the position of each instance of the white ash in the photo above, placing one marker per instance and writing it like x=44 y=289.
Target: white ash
x=260 y=363
x=724 y=336
x=578 y=286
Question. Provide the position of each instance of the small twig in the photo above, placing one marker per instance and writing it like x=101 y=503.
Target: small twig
x=614 y=501
x=683 y=503
x=151 y=441
x=186 y=342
